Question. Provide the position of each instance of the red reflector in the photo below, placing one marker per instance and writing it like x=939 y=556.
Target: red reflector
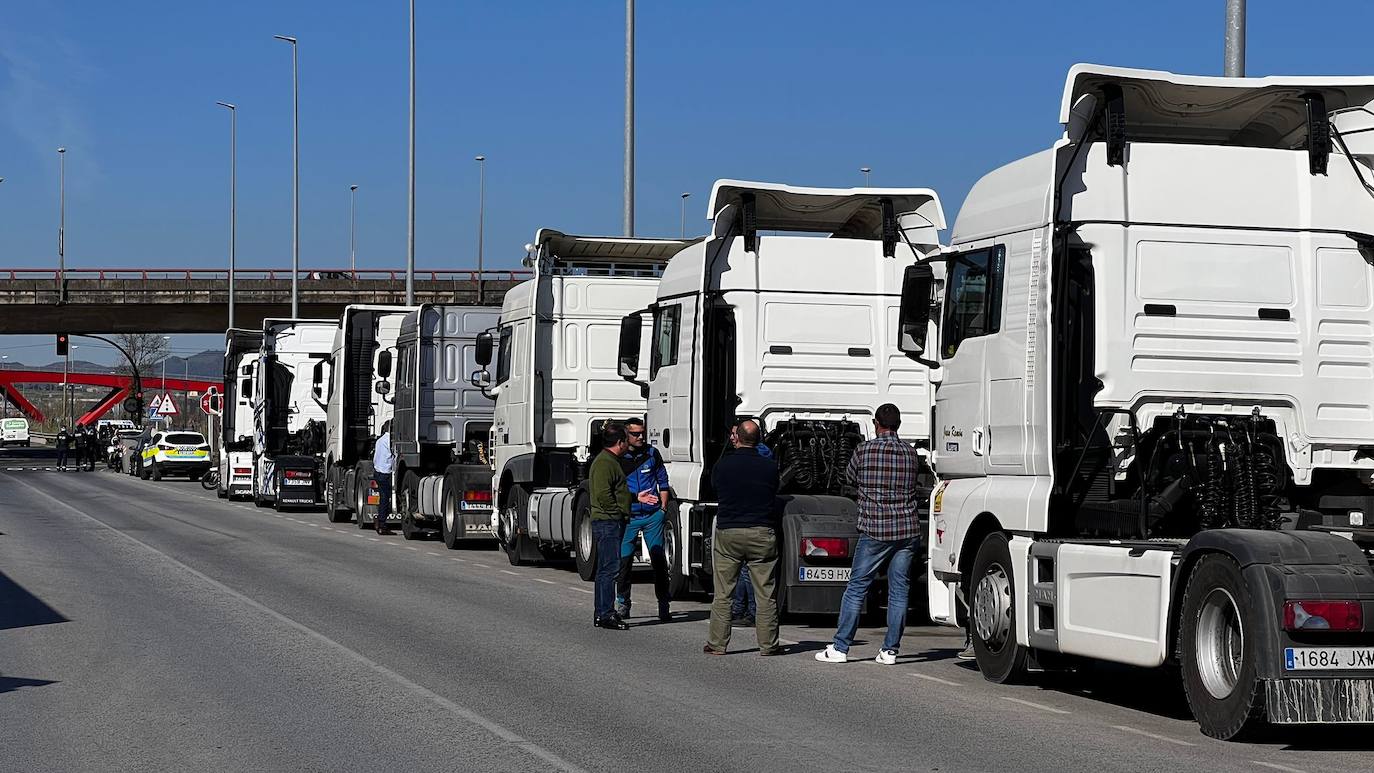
x=1323 y=616
x=242 y=470
x=831 y=547
x=477 y=496
x=298 y=474
x=372 y=484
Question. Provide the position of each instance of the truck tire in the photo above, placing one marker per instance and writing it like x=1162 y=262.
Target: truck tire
x=1217 y=641
x=362 y=486
x=276 y=503
x=584 y=547
x=514 y=541
x=679 y=574
x=993 y=613
x=335 y=513
x=407 y=501
x=448 y=523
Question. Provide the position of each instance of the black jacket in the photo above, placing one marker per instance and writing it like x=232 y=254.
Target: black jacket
x=746 y=487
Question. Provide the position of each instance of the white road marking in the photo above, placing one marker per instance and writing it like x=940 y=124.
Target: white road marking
x=509 y=572
x=459 y=560
x=546 y=582
x=580 y=590
x=935 y=679
x=408 y=547
x=462 y=712
x=1034 y=705
x=1278 y=767
x=1156 y=736
x=374 y=539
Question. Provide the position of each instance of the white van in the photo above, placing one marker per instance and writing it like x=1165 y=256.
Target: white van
x=14 y=432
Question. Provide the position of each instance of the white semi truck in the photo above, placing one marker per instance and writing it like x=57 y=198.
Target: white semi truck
x=289 y=412
x=556 y=383
x=784 y=314
x=1155 y=418
x=442 y=424
x=241 y=352
x=357 y=408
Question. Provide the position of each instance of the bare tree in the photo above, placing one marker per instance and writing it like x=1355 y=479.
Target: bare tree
x=148 y=350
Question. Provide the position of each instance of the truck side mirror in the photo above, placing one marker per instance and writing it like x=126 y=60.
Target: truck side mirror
x=627 y=361
x=317 y=380
x=484 y=349
x=382 y=387
x=384 y=364
x=913 y=317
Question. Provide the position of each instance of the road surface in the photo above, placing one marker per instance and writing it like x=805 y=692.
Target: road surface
x=150 y=626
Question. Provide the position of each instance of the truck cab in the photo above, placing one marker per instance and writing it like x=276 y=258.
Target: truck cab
x=241 y=351
x=784 y=315
x=289 y=411
x=1155 y=435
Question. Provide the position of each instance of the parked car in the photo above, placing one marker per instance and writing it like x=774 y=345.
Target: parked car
x=175 y=452
x=14 y=432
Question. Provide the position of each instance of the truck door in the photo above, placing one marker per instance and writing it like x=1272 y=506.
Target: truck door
x=670 y=379
x=972 y=314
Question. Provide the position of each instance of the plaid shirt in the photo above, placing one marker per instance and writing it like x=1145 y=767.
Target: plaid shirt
x=884 y=469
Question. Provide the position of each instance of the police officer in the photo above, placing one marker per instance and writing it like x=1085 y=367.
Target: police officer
x=646 y=477
x=64 y=442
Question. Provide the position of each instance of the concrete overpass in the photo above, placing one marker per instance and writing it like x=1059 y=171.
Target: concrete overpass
x=196 y=300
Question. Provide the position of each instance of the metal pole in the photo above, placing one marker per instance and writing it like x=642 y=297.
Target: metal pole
x=62 y=215
x=295 y=175
x=682 y=217
x=67 y=387
x=185 y=392
x=233 y=199
x=410 y=225
x=353 y=230
x=629 y=117
x=866 y=170
x=481 y=208
x=1235 y=38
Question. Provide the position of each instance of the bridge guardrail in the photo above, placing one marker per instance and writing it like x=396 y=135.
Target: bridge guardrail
x=361 y=275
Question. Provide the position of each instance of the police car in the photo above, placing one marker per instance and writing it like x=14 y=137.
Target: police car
x=175 y=452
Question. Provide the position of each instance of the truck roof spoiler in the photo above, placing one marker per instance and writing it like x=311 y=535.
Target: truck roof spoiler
x=608 y=249
x=1251 y=112
x=850 y=213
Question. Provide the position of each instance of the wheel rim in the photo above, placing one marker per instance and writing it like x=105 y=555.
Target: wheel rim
x=992 y=608
x=584 y=539
x=508 y=516
x=448 y=514
x=1219 y=644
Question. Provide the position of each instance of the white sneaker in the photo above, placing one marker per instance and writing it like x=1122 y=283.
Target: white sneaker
x=831 y=655
x=886 y=658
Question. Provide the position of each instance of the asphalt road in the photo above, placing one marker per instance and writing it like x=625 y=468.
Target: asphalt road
x=150 y=626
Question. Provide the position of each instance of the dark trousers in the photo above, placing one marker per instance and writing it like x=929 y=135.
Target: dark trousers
x=383 y=481
x=61 y=456
x=607 y=536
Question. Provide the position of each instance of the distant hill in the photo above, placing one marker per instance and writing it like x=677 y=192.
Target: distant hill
x=208 y=365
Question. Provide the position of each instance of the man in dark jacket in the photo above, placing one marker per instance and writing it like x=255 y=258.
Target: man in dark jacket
x=746 y=485
x=63 y=442
x=610 y=508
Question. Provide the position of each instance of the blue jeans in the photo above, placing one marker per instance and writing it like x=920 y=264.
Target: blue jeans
x=742 y=604
x=607 y=536
x=869 y=558
x=652 y=527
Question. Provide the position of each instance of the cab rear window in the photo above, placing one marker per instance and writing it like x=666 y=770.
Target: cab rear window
x=184 y=439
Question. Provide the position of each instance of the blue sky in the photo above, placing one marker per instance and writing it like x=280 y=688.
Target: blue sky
x=806 y=92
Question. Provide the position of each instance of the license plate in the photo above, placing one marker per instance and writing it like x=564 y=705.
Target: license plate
x=299 y=482
x=479 y=507
x=187 y=450
x=1328 y=658
x=823 y=573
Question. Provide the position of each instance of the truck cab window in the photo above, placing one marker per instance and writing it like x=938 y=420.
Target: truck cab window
x=973 y=300
x=666 y=322
x=503 y=356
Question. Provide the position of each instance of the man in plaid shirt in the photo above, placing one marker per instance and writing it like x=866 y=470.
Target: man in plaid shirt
x=885 y=471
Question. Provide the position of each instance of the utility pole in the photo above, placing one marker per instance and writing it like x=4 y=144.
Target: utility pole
x=62 y=224
x=1235 y=38
x=295 y=175
x=353 y=230
x=410 y=226
x=233 y=198
x=682 y=218
x=629 y=117
x=481 y=208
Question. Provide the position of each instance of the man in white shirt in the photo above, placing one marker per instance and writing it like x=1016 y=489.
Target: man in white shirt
x=383 y=462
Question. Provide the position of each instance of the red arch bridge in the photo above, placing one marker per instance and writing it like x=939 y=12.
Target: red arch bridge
x=120 y=388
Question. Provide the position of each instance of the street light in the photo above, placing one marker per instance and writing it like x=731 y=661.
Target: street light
x=62 y=217
x=295 y=174
x=481 y=208
x=233 y=199
x=682 y=217
x=629 y=117
x=866 y=170
x=353 y=229
x=410 y=200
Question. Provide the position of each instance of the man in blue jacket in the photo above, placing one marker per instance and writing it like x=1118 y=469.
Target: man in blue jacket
x=646 y=476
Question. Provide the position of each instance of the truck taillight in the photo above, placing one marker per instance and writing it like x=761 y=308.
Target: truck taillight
x=298 y=473
x=477 y=495
x=242 y=470
x=824 y=547
x=1323 y=616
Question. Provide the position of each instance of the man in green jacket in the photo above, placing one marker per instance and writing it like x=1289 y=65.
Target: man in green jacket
x=610 y=508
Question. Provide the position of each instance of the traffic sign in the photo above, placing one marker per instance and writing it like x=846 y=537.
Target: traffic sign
x=209 y=402
x=168 y=406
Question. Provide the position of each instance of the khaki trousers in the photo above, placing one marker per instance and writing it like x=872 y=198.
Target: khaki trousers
x=756 y=546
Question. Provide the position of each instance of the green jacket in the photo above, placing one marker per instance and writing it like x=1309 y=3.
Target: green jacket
x=606 y=482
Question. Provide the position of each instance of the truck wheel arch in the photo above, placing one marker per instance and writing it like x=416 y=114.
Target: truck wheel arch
x=983 y=524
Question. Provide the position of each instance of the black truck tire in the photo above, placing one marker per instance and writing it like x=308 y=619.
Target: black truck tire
x=1217 y=640
x=584 y=545
x=408 y=502
x=332 y=487
x=992 y=588
x=514 y=541
x=362 y=486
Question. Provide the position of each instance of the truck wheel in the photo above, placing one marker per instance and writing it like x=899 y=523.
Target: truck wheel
x=1217 y=639
x=407 y=501
x=156 y=473
x=993 y=618
x=679 y=575
x=448 y=524
x=331 y=501
x=514 y=541
x=584 y=549
x=362 y=487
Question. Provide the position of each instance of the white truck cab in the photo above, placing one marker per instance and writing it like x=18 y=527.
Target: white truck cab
x=1155 y=412
x=241 y=352
x=289 y=411
x=785 y=315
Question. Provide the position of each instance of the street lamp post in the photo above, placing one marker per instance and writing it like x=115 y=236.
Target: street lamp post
x=866 y=170
x=353 y=230
x=164 y=374
x=481 y=208
x=410 y=208
x=61 y=220
x=233 y=199
x=682 y=217
x=295 y=175
x=629 y=117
